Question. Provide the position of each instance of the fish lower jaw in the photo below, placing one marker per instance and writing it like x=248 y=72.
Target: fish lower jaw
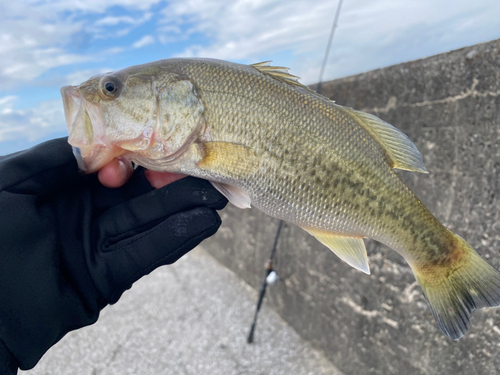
x=94 y=159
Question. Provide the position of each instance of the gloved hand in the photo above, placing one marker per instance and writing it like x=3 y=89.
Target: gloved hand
x=69 y=246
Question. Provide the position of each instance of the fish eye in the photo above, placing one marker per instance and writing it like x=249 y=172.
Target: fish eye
x=110 y=86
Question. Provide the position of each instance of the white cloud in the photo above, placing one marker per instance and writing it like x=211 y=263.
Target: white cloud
x=171 y=34
x=93 y=6
x=81 y=76
x=6 y=103
x=28 y=65
x=37 y=36
x=112 y=21
x=114 y=50
x=30 y=43
x=146 y=40
x=246 y=29
x=31 y=124
x=370 y=33
x=101 y=28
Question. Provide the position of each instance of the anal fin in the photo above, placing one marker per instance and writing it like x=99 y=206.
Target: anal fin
x=350 y=249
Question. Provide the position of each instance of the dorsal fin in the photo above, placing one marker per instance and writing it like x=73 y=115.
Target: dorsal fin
x=401 y=150
x=280 y=73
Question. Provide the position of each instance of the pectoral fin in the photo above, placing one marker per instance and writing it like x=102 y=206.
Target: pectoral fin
x=350 y=249
x=233 y=194
x=229 y=159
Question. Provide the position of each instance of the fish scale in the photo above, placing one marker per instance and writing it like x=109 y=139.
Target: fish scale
x=231 y=128
x=265 y=140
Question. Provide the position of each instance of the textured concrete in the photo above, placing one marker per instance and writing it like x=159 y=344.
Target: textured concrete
x=190 y=318
x=449 y=105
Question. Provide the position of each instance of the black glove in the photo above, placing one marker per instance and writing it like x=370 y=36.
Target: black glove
x=69 y=246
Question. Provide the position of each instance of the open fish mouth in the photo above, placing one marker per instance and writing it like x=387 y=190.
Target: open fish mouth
x=84 y=121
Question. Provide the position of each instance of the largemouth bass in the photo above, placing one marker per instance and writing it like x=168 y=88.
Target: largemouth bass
x=265 y=140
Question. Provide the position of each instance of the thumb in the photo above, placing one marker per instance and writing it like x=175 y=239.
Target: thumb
x=116 y=267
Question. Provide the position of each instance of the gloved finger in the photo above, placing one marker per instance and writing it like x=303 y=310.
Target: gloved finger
x=7 y=361
x=41 y=170
x=160 y=179
x=116 y=266
x=143 y=212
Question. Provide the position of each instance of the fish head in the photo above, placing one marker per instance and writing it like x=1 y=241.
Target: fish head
x=146 y=114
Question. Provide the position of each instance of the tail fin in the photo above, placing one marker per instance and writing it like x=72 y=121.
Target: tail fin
x=457 y=286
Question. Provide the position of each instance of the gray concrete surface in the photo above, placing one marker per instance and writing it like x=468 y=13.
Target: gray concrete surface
x=185 y=319
x=449 y=105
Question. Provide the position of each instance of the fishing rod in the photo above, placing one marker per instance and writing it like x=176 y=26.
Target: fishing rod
x=271 y=278
x=327 y=52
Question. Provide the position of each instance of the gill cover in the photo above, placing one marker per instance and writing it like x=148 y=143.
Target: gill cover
x=179 y=121
x=180 y=112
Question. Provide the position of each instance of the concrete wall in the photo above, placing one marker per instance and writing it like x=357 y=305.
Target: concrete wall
x=449 y=105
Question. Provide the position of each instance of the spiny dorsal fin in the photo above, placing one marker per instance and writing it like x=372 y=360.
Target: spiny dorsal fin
x=401 y=150
x=280 y=73
x=350 y=249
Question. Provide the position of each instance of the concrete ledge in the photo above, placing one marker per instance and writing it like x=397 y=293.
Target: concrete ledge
x=449 y=105
x=189 y=318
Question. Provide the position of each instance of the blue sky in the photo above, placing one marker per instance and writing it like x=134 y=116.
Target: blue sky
x=48 y=44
